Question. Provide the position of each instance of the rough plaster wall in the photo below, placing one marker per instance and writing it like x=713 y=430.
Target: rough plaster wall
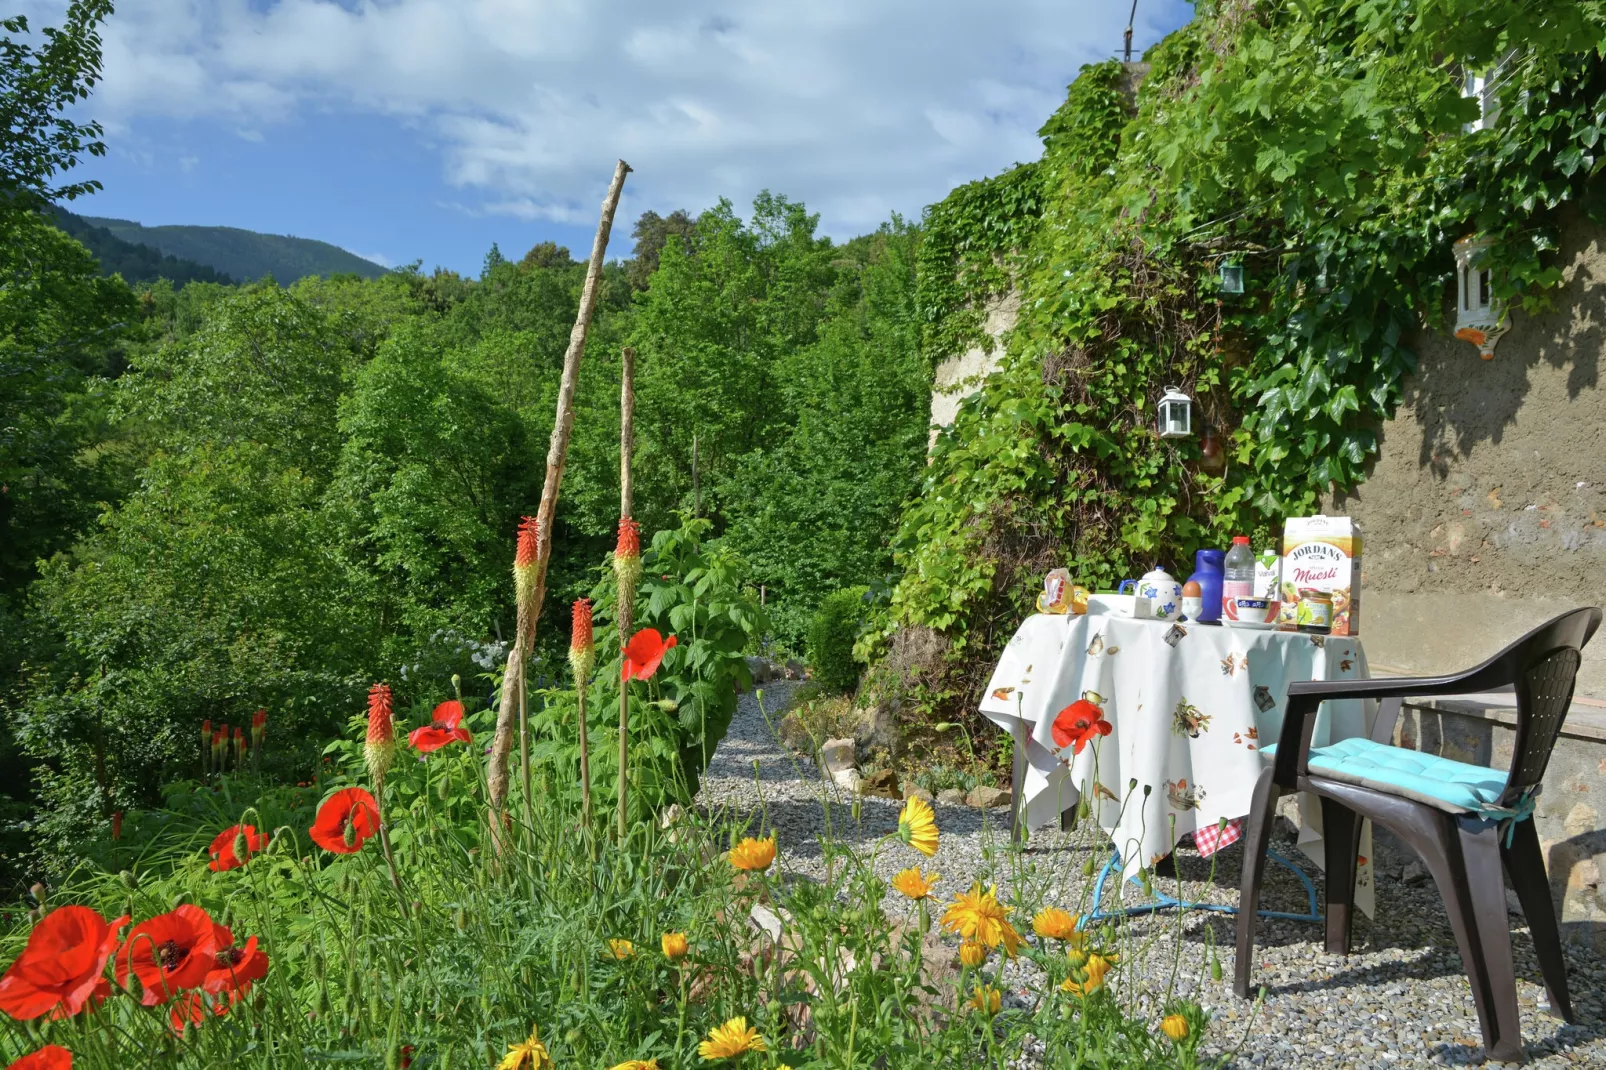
x=958 y=377
x=1485 y=513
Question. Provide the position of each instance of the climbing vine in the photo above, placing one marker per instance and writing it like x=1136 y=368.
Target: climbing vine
x=1324 y=147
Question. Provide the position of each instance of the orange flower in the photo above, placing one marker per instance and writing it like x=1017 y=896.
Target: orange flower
x=63 y=966
x=978 y=915
x=234 y=846
x=1078 y=723
x=1092 y=976
x=446 y=725
x=168 y=953
x=529 y=542
x=345 y=820
x=914 y=884
x=1175 y=1026
x=49 y=1057
x=986 y=999
x=644 y=653
x=675 y=946
x=972 y=953
x=380 y=748
x=1052 y=923
x=753 y=854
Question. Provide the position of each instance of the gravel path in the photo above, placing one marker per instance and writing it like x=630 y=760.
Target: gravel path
x=1400 y=1000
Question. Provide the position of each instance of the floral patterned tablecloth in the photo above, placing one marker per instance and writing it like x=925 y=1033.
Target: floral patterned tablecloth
x=1188 y=706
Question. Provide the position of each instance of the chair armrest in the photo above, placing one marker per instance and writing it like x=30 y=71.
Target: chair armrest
x=1306 y=696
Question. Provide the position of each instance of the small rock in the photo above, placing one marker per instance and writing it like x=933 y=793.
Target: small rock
x=768 y=921
x=847 y=779
x=951 y=797
x=915 y=791
x=794 y=669
x=985 y=798
x=837 y=754
x=760 y=668
x=672 y=813
x=1413 y=873
x=882 y=783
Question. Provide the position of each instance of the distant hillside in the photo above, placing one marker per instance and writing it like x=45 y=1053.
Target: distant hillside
x=135 y=262
x=244 y=254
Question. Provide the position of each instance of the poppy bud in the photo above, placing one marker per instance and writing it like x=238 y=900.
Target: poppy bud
x=457 y=686
x=351 y=834
x=130 y=881
x=443 y=790
x=241 y=850
x=38 y=893
x=179 y=900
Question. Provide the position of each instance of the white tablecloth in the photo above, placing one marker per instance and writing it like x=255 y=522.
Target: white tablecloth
x=1190 y=706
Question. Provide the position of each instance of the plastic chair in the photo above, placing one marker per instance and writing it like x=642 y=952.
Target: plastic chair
x=1463 y=820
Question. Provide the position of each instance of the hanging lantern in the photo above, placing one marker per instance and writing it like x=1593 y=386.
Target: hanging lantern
x=1479 y=317
x=1176 y=414
x=1231 y=276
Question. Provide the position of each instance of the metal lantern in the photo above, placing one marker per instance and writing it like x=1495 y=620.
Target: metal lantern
x=1479 y=317
x=1232 y=277
x=1176 y=414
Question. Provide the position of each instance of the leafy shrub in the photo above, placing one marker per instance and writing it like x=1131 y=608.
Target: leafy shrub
x=832 y=633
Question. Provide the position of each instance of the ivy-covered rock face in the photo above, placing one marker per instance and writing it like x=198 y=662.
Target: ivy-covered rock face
x=1324 y=146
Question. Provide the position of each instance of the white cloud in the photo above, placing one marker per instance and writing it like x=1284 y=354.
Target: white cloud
x=858 y=107
x=374 y=258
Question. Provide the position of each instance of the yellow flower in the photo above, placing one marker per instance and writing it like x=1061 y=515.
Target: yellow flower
x=1174 y=1026
x=976 y=915
x=1052 y=923
x=531 y=1055
x=1092 y=976
x=637 y=1064
x=753 y=854
x=730 y=1040
x=917 y=826
x=972 y=953
x=987 y=999
x=621 y=949
x=675 y=946
x=912 y=883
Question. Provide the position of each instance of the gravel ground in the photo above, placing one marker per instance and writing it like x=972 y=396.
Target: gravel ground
x=1400 y=1000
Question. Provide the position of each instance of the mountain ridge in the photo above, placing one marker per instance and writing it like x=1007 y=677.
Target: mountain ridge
x=240 y=253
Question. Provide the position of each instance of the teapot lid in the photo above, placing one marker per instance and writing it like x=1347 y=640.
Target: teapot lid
x=1157 y=573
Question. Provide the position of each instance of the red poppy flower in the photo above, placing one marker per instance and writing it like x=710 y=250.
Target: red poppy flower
x=189 y=1009
x=61 y=968
x=446 y=726
x=644 y=653
x=167 y=953
x=1078 y=723
x=49 y=1057
x=235 y=968
x=222 y=849
x=345 y=820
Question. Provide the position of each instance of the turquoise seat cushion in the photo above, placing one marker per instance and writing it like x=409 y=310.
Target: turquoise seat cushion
x=1449 y=785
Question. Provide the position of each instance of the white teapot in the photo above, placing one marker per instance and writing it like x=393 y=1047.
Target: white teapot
x=1159 y=596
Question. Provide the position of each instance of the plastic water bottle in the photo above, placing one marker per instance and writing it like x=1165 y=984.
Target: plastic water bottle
x=1238 y=573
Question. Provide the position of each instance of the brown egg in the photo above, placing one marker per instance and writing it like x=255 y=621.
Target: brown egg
x=1191 y=589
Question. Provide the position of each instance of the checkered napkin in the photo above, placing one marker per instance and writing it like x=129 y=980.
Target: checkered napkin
x=1212 y=839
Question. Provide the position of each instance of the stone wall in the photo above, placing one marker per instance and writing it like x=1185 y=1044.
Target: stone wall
x=958 y=377
x=1485 y=512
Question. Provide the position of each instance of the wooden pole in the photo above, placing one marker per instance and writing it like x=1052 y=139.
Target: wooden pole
x=696 y=485
x=627 y=611
x=557 y=457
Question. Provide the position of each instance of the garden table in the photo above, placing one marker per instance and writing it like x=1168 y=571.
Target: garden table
x=1188 y=705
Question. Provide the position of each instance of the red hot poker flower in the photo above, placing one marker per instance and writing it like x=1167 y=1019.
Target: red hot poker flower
x=446 y=726
x=225 y=847
x=380 y=748
x=259 y=727
x=581 y=635
x=169 y=952
x=1078 y=723
x=644 y=653
x=345 y=820
x=63 y=966
x=629 y=544
x=529 y=543
x=49 y=1057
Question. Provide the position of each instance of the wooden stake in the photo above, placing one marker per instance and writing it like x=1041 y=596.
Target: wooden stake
x=557 y=457
x=627 y=434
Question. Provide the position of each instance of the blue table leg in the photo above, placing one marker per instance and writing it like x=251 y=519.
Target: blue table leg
x=1165 y=902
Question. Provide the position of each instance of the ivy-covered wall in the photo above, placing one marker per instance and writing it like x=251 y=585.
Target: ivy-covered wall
x=1320 y=144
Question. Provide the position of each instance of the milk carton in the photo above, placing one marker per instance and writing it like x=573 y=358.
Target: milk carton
x=1322 y=553
x=1268 y=576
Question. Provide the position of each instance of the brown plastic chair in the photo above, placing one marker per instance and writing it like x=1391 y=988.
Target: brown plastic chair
x=1464 y=852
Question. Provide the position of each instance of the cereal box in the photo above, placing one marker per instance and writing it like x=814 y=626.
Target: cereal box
x=1322 y=553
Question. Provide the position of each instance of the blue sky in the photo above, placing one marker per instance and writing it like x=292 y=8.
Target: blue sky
x=427 y=129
